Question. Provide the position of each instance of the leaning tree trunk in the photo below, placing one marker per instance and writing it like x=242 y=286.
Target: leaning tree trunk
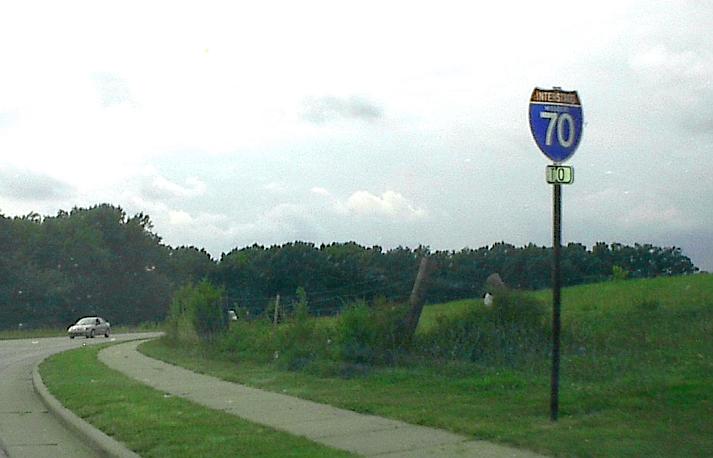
x=416 y=300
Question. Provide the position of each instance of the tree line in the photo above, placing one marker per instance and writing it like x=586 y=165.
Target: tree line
x=99 y=260
x=88 y=261
x=338 y=273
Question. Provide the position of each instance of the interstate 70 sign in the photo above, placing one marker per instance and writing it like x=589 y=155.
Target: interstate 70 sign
x=556 y=122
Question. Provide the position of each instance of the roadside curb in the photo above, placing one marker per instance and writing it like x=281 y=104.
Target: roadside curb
x=105 y=445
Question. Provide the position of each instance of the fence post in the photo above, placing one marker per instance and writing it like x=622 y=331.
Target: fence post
x=277 y=307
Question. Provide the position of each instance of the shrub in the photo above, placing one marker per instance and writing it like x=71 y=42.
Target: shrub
x=371 y=335
x=196 y=313
x=356 y=336
x=301 y=309
x=208 y=316
x=299 y=341
x=251 y=340
x=618 y=273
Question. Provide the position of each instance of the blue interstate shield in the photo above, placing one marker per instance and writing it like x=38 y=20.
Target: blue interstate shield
x=556 y=122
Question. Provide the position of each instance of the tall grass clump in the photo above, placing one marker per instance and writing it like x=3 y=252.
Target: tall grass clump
x=511 y=332
x=196 y=313
x=300 y=341
x=371 y=335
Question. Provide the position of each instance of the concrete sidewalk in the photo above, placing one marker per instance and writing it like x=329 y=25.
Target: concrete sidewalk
x=366 y=435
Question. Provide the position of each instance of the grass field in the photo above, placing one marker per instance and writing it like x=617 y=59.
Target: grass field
x=156 y=425
x=636 y=380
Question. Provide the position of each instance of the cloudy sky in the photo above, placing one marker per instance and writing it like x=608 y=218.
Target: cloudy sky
x=389 y=123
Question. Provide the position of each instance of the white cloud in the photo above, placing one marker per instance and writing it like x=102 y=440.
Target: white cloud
x=320 y=191
x=659 y=64
x=656 y=218
x=330 y=108
x=162 y=188
x=282 y=223
x=276 y=187
x=180 y=226
x=179 y=217
x=390 y=203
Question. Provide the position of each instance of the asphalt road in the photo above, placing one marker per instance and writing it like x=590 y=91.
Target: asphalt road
x=27 y=429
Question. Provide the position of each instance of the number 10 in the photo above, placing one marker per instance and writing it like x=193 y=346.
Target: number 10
x=559 y=120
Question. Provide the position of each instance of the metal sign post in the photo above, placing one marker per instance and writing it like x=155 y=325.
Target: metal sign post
x=556 y=298
x=556 y=124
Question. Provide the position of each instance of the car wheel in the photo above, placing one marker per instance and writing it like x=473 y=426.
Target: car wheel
x=71 y=337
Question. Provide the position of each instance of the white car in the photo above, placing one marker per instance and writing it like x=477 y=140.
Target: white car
x=89 y=327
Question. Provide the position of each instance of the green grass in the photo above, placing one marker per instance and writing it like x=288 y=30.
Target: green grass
x=431 y=312
x=8 y=334
x=154 y=424
x=636 y=379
